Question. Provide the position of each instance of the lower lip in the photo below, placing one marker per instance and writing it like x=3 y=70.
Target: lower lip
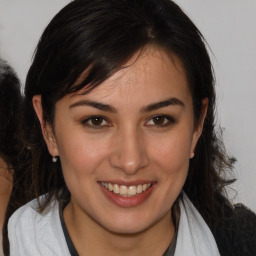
x=127 y=202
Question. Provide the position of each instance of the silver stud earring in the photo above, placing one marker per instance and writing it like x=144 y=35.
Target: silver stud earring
x=54 y=159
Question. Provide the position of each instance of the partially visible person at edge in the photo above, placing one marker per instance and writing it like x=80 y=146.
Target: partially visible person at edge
x=120 y=119
x=14 y=189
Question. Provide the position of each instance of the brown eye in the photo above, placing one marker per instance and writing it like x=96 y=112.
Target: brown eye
x=159 y=120
x=96 y=122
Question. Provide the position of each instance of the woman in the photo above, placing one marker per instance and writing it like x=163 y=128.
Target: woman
x=12 y=162
x=126 y=160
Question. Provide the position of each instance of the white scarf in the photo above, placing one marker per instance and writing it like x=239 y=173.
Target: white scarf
x=194 y=236
x=31 y=233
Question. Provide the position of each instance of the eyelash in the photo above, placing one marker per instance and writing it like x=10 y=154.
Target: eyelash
x=87 y=121
x=166 y=121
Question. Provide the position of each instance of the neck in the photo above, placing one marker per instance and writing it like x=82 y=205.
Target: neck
x=90 y=238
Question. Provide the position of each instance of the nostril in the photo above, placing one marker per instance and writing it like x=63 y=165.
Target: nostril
x=129 y=154
x=130 y=166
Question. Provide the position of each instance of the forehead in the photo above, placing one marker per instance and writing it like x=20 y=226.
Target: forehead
x=149 y=74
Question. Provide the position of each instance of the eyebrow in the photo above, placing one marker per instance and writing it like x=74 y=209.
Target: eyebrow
x=162 y=104
x=94 y=104
x=110 y=109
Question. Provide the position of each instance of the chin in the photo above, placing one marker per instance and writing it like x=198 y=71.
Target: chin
x=128 y=224
x=125 y=229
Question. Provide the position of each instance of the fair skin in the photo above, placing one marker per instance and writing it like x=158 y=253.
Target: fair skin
x=134 y=132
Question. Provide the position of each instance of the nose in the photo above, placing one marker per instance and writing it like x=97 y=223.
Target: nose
x=130 y=152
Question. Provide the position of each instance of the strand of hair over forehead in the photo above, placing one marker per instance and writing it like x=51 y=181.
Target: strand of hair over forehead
x=109 y=55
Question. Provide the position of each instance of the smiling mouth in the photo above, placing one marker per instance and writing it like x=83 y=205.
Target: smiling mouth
x=126 y=191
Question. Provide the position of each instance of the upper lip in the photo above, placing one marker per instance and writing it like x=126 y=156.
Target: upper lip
x=128 y=183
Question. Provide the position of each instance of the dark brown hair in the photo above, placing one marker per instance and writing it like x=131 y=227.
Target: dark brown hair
x=12 y=151
x=101 y=36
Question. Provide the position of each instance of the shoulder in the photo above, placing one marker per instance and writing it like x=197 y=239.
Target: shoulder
x=26 y=216
x=235 y=233
x=34 y=233
x=245 y=223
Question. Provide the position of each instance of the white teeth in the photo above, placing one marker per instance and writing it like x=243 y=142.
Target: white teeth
x=116 y=189
x=125 y=191
x=139 y=189
x=132 y=190
x=110 y=187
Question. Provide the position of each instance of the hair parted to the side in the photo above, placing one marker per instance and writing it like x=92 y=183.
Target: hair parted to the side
x=12 y=150
x=100 y=36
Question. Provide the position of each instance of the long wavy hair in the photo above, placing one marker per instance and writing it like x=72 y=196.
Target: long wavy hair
x=12 y=151
x=101 y=36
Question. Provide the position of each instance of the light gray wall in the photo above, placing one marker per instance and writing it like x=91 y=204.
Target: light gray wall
x=21 y=25
x=230 y=29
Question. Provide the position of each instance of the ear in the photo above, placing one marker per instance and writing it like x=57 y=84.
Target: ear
x=46 y=128
x=199 y=128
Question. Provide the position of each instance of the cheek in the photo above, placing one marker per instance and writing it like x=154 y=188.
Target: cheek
x=79 y=154
x=173 y=151
x=171 y=156
x=80 y=160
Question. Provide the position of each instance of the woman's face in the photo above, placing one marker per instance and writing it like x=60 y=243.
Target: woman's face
x=125 y=146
